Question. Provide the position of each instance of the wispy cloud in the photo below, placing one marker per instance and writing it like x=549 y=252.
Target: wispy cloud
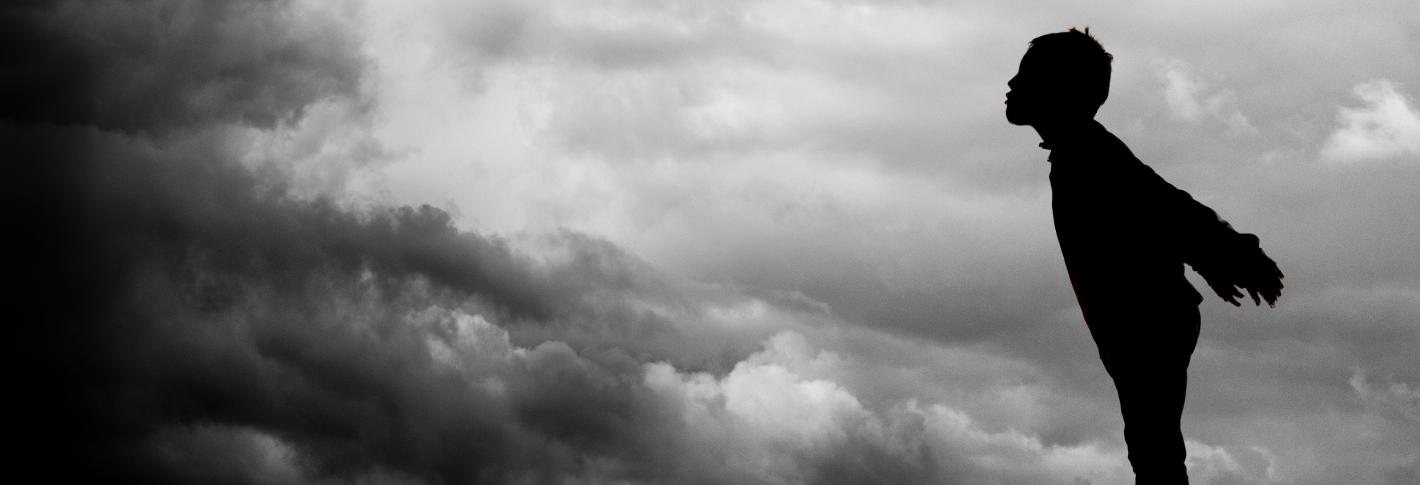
x=1192 y=98
x=1386 y=125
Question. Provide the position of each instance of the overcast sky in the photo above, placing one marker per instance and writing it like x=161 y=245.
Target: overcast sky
x=612 y=241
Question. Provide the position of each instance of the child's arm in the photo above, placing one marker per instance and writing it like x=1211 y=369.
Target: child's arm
x=1228 y=260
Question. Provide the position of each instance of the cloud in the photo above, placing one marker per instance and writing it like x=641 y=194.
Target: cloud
x=193 y=318
x=252 y=336
x=208 y=453
x=294 y=338
x=1396 y=402
x=146 y=66
x=1219 y=466
x=1192 y=99
x=1385 y=126
x=275 y=241
x=766 y=422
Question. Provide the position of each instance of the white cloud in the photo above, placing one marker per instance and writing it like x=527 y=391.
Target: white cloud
x=774 y=422
x=465 y=342
x=1193 y=99
x=1218 y=465
x=1384 y=126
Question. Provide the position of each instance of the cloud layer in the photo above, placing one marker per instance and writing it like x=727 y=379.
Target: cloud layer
x=702 y=242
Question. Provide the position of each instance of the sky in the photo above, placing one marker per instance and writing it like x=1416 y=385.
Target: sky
x=710 y=242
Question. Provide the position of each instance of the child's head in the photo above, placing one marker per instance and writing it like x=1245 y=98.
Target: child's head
x=1063 y=76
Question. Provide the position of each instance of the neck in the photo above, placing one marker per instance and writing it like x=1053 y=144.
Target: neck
x=1057 y=132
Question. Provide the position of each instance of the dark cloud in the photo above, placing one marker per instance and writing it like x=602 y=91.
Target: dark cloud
x=205 y=328
x=153 y=65
x=187 y=320
x=183 y=321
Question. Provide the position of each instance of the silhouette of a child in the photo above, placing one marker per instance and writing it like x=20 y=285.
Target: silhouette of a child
x=1125 y=234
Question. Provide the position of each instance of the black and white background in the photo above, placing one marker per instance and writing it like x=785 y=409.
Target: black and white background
x=702 y=241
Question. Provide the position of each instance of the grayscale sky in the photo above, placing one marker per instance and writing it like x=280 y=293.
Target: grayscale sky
x=715 y=241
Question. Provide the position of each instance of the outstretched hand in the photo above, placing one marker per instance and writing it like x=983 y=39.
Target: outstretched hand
x=1258 y=288
x=1250 y=270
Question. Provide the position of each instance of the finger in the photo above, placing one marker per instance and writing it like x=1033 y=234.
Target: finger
x=1256 y=299
x=1269 y=295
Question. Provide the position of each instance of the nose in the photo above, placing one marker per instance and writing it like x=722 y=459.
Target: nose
x=1012 y=83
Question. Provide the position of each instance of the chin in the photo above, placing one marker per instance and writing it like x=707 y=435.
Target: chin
x=1015 y=117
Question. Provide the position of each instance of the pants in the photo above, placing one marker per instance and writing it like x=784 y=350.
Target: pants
x=1146 y=351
